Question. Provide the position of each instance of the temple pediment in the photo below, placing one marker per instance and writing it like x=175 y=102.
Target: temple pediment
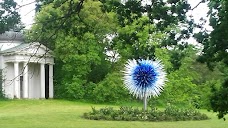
x=34 y=49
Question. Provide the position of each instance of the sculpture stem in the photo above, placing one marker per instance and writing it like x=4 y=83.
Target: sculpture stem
x=145 y=102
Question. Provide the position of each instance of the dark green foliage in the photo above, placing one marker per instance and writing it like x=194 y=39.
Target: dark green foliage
x=215 y=49
x=2 y=95
x=176 y=58
x=215 y=42
x=98 y=72
x=171 y=113
x=219 y=99
x=9 y=16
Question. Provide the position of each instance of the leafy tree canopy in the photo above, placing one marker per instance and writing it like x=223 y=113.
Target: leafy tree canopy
x=215 y=50
x=215 y=42
x=76 y=34
x=9 y=16
x=142 y=28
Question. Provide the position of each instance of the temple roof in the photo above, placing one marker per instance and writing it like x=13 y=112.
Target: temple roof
x=34 y=48
x=16 y=48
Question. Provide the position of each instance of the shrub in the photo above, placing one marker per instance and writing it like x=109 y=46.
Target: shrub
x=2 y=95
x=111 y=90
x=75 y=89
x=171 y=113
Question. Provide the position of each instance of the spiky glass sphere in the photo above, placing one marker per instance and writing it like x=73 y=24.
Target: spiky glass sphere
x=144 y=77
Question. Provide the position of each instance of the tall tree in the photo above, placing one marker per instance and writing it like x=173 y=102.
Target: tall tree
x=215 y=49
x=9 y=16
x=76 y=34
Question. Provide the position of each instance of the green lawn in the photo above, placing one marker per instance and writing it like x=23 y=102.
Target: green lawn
x=67 y=114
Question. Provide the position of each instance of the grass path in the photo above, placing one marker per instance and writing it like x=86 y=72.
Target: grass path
x=67 y=114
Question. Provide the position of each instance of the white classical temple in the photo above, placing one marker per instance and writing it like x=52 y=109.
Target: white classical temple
x=26 y=68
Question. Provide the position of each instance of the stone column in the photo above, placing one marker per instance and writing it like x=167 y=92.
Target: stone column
x=42 y=81
x=51 y=90
x=16 y=80
x=25 y=81
x=4 y=76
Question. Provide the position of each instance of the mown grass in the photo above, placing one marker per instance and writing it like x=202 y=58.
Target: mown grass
x=67 y=114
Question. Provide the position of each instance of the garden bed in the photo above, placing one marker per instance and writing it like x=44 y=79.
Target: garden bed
x=171 y=113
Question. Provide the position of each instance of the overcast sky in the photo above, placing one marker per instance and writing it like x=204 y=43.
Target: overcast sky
x=27 y=12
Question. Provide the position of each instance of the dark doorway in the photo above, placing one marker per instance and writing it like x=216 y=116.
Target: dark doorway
x=46 y=81
x=21 y=86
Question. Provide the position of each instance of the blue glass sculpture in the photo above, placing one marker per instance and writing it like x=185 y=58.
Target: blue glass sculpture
x=144 y=78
